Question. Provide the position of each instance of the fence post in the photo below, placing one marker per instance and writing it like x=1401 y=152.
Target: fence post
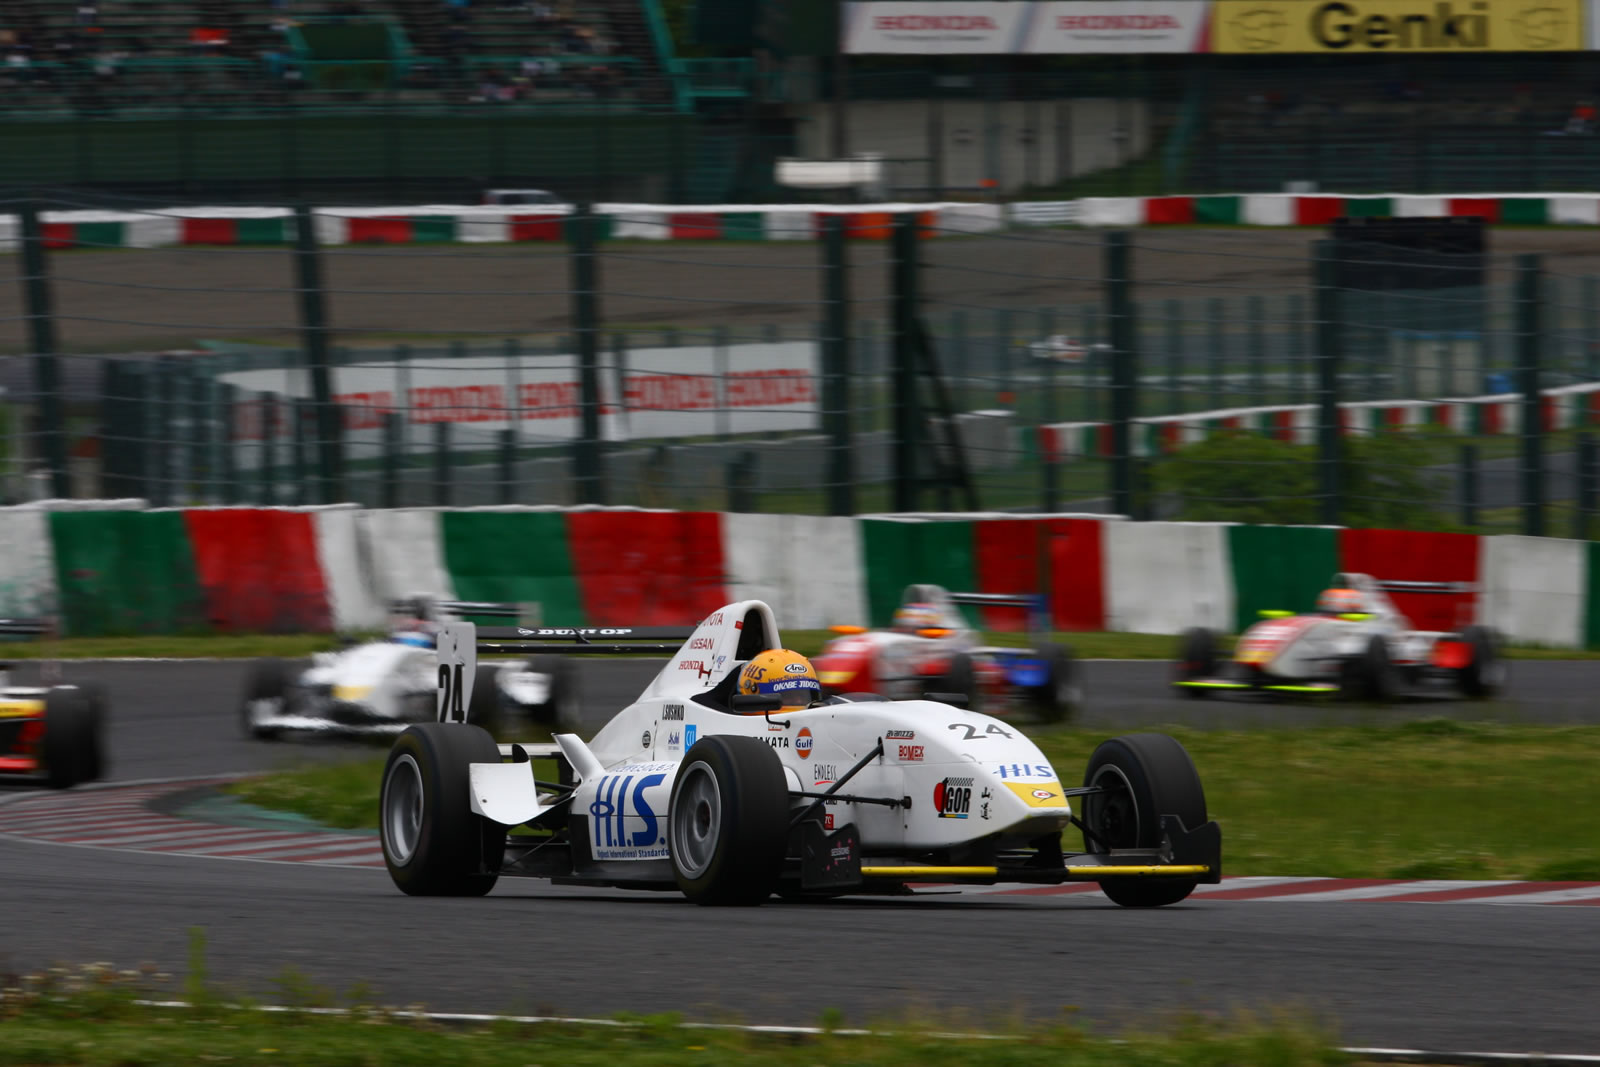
x=1050 y=477
x=162 y=428
x=1467 y=486
x=393 y=431
x=1124 y=368
x=225 y=404
x=907 y=417
x=1529 y=351
x=508 y=454
x=314 y=331
x=441 y=464
x=586 y=324
x=269 y=404
x=1174 y=332
x=1591 y=332
x=836 y=366
x=1330 y=340
x=1257 y=352
x=1584 y=491
x=37 y=299
x=301 y=414
x=202 y=461
x=1295 y=388
x=1216 y=350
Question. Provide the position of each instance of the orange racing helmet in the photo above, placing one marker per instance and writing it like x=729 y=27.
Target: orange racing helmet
x=786 y=675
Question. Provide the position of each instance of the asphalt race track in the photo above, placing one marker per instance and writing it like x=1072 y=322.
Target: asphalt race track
x=1443 y=976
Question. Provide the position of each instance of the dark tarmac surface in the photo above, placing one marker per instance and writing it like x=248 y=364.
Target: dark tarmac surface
x=1441 y=976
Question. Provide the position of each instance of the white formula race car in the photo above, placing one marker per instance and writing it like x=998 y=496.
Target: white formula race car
x=1371 y=652
x=381 y=687
x=731 y=798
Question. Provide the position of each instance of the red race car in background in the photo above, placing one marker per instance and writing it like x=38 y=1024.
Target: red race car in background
x=50 y=735
x=932 y=648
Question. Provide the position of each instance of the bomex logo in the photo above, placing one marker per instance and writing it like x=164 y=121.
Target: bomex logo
x=1025 y=770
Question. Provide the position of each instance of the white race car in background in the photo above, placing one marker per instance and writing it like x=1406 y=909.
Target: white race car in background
x=381 y=687
x=1373 y=654
x=732 y=798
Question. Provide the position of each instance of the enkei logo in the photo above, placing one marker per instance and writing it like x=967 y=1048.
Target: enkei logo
x=911 y=753
x=952 y=798
x=802 y=743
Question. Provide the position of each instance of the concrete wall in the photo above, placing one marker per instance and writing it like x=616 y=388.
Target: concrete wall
x=1014 y=143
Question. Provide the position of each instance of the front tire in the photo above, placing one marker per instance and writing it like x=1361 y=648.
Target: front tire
x=434 y=844
x=729 y=821
x=1145 y=776
x=1370 y=677
x=961 y=676
x=1059 y=698
x=1197 y=659
x=70 y=738
x=266 y=687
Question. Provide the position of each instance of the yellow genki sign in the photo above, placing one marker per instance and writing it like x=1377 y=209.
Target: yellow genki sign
x=1275 y=26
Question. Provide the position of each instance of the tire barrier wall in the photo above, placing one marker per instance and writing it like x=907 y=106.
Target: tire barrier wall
x=133 y=570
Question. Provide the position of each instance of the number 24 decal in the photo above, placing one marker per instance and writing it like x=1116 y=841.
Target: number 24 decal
x=450 y=694
x=973 y=735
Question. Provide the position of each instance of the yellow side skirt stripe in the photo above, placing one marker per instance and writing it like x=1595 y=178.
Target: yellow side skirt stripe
x=1105 y=870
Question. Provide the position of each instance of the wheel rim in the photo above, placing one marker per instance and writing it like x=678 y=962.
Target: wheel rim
x=1114 y=814
x=402 y=810
x=696 y=820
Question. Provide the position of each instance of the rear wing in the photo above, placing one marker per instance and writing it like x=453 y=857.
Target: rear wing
x=26 y=627
x=1428 y=587
x=460 y=642
x=1037 y=605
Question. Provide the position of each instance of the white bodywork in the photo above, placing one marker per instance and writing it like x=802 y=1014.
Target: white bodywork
x=1312 y=646
x=968 y=775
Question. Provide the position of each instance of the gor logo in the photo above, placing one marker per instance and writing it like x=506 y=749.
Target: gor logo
x=952 y=798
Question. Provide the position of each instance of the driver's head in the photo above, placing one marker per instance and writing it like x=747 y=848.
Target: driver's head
x=1339 y=601
x=786 y=675
x=909 y=618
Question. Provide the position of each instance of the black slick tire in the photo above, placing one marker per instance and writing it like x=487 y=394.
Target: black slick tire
x=1483 y=674
x=729 y=821
x=268 y=680
x=100 y=708
x=1369 y=677
x=1059 y=698
x=1197 y=658
x=434 y=844
x=69 y=737
x=1145 y=777
x=960 y=676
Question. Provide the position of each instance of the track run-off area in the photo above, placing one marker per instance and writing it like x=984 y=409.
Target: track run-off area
x=124 y=871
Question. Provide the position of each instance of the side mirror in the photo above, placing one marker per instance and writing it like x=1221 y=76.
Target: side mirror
x=750 y=703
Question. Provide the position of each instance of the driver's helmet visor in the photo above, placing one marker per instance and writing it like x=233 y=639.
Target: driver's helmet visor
x=794 y=692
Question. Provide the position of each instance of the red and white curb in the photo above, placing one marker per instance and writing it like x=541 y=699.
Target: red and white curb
x=120 y=818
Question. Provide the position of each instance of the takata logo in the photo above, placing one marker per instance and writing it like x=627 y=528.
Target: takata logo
x=802 y=743
x=933 y=23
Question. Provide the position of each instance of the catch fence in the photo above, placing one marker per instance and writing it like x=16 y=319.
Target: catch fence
x=884 y=365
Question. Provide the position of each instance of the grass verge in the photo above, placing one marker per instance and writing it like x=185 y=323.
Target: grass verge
x=807 y=642
x=1429 y=799
x=96 y=1016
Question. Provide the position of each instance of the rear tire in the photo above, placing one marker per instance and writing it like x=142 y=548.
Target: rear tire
x=1197 y=658
x=729 y=821
x=266 y=684
x=434 y=844
x=69 y=737
x=100 y=706
x=960 y=676
x=1482 y=677
x=1059 y=698
x=1147 y=776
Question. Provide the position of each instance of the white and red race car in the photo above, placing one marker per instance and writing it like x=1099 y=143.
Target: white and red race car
x=932 y=648
x=1370 y=652
x=731 y=798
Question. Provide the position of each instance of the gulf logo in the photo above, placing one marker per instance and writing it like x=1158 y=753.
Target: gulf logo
x=802 y=743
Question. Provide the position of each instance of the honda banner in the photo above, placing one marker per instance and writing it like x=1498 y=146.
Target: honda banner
x=1127 y=26
x=941 y=27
